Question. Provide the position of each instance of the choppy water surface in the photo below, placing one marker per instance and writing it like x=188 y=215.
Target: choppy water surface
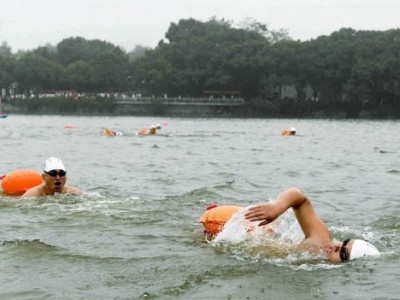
x=135 y=235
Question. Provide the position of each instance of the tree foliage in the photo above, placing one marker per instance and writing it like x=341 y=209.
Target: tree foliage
x=348 y=66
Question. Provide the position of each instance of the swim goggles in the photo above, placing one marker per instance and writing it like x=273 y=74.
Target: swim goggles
x=54 y=173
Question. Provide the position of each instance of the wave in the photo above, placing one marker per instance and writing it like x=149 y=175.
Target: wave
x=379 y=150
x=31 y=246
x=393 y=171
x=38 y=248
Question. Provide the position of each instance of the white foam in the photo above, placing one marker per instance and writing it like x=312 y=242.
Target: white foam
x=275 y=243
x=285 y=229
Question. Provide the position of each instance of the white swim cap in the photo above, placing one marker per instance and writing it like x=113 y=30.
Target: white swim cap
x=158 y=126
x=53 y=163
x=292 y=129
x=153 y=126
x=362 y=248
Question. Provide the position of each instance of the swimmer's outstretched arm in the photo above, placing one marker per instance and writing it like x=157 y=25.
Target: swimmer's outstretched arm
x=310 y=223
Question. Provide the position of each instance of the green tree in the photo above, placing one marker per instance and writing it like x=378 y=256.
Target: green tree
x=80 y=76
x=138 y=52
x=48 y=52
x=35 y=73
x=74 y=49
x=5 y=50
x=376 y=70
x=110 y=71
x=7 y=65
x=149 y=71
x=200 y=56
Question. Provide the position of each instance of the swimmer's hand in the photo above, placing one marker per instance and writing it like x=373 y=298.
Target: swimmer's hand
x=74 y=191
x=290 y=198
x=265 y=213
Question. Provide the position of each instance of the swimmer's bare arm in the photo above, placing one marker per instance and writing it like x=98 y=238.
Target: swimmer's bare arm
x=310 y=223
x=33 y=192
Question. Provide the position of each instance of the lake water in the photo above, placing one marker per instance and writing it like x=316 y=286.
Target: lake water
x=135 y=235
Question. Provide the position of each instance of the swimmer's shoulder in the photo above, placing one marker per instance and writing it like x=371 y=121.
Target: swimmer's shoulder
x=73 y=190
x=36 y=191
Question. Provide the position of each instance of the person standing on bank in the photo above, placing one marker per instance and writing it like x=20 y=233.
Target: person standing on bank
x=54 y=179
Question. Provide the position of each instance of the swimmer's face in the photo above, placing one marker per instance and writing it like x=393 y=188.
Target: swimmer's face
x=338 y=252
x=55 y=180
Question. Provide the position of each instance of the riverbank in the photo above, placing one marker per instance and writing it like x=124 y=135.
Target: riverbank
x=202 y=109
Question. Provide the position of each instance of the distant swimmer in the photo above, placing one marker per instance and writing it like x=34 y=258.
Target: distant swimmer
x=54 y=178
x=109 y=132
x=317 y=238
x=148 y=131
x=291 y=131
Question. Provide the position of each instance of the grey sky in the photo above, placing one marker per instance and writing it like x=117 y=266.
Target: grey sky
x=27 y=24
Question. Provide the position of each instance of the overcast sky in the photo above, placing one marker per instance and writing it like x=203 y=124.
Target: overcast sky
x=27 y=24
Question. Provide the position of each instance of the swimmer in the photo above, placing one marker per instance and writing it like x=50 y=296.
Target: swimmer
x=54 y=178
x=291 y=131
x=108 y=132
x=152 y=130
x=317 y=237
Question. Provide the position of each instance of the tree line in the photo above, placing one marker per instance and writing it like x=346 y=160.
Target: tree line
x=348 y=66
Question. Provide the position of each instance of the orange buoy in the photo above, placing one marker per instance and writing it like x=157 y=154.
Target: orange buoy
x=285 y=132
x=214 y=219
x=18 y=182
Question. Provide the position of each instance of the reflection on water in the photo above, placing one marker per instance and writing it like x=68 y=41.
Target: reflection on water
x=134 y=233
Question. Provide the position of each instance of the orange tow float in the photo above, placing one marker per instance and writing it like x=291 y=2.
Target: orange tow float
x=215 y=217
x=18 y=182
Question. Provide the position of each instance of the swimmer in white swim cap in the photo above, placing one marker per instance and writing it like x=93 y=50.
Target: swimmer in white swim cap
x=353 y=249
x=54 y=178
x=147 y=131
x=317 y=237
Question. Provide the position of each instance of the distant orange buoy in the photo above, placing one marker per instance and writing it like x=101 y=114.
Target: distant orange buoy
x=18 y=182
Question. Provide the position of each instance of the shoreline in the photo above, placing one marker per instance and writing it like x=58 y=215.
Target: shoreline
x=291 y=110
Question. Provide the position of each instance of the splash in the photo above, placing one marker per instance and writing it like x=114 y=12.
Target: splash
x=285 y=229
